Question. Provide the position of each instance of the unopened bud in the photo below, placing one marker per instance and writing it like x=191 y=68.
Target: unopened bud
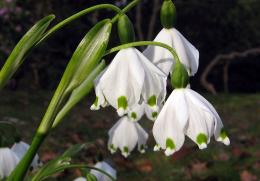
x=168 y=14
x=180 y=77
x=125 y=28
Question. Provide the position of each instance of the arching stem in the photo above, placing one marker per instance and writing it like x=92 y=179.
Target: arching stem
x=143 y=43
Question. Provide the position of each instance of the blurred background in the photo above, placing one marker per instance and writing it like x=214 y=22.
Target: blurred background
x=227 y=34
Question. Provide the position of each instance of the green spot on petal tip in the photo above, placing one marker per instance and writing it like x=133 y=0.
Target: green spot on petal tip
x=152 y=100
x=133 y=115
x=122 y=102
x=223 y=134
x=201 y=138
x=154 y=114
x=125 y=149
x=170 y=144
x=96 y=101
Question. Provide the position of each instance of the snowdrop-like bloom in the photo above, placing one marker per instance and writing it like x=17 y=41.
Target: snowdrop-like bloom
x=187 y=113
x=162 y=58
x=106 y=168
x=125 y=135
x=8 y=161
x=130 y=79
x=21 y=148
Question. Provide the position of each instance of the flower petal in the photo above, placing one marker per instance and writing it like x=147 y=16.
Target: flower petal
x=100 y=98
x=187 y=53
x=123 y=78
x=200 y=101
x=170 y=123
x=142 y=138
x=8 y=161
x=124 y=136
x=136 y=112
x=154 y=88
x=161 y=57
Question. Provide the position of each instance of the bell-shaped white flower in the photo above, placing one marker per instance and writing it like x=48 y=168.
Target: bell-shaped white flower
x=106 y=168
x=187 y=113
x=21 y=148
x=162 y=58
x=8 y=161
x=130 y=79
x=125 y=135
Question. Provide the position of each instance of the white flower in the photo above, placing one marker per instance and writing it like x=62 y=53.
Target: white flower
x=106 y=168
x=130 y=79
x=125 y=135
x=8 y=161
x=80 y=179
x=162 y=58
x=21 y=148
x=187 y=113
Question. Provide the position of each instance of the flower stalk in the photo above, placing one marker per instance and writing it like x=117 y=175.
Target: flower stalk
x=143 y=43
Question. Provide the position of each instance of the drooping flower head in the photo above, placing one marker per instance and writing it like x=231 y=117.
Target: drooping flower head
x=188 y=54
x=129 y=79
x=125 y=135
x=186 y=113
x=162 y=58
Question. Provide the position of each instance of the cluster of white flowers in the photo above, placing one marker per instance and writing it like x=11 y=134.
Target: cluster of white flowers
x=104 y=166
x=135 y=84
x=10 y=157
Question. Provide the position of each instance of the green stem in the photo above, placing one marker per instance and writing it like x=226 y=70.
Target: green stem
x=142 y=43
x=76 y=16
x=126 y=9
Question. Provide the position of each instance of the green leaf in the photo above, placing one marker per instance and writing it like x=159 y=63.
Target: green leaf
x=73 y=150
x=57 y=165
x=89 y=52
x=85 y=58
x=23 y=48
x=78 y=93
x=91 y=177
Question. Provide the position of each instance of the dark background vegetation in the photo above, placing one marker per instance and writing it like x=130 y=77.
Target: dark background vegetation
x=214 y=26
x=223 y=30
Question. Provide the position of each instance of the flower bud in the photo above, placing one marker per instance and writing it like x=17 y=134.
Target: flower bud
x=168 y=14
x=180 y=77
x=125 y=28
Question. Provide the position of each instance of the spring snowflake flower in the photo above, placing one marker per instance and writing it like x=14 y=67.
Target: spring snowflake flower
x=8 y=161
x=162 y=58
x=187 y=113
x=21 y=148
x=130 y=79
x=125 y=135
x=106 y=168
